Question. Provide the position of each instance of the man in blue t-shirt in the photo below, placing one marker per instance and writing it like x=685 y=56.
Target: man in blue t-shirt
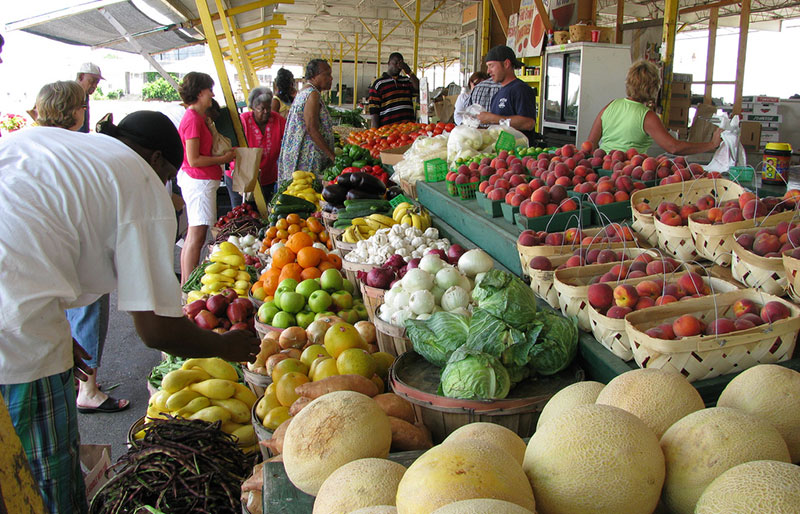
x=515 y=101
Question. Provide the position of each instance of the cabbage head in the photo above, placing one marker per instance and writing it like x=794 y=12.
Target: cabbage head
x=556 y=345
x=506 y=297
x=438 y=336
x=474 y=375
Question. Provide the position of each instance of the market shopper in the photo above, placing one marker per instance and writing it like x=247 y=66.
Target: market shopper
x=264 y=128
x=61 y=104
x=88 y=77
x=285 y=91
x=391 y=96
x=515 y=101
x=629 y=123
x=83 y=215
x=201 y=172
x=462 y=102
x=308 y=140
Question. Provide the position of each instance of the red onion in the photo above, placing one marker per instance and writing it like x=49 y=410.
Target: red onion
x=380 y=277
x=454 y=253
x=413 y=263
x=436 y=251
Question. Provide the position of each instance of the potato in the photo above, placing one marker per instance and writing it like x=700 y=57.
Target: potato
x=355 y=383
x=395 y=406
x=406 y=437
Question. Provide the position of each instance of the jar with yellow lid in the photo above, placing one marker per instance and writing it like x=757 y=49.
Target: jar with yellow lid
x=776 y=163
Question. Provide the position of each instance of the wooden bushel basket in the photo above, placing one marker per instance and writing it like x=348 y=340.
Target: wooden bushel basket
x=262 y=434
x=373 y=298
x=676 y=241
x=610 y=332
x=766 y=274
x=713 y=242
x=351 y=270
x=257 y=382
x=409 y=189
x=328 y=218
x=262 y=329
x=680 y=193
x=792 y=267
x=391 y=339
x=701 y=357
x=340 y=245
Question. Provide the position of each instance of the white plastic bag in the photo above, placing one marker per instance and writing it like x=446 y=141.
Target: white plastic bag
x=730 y=152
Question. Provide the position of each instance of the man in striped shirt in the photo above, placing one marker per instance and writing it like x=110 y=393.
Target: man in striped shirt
x=391 y=95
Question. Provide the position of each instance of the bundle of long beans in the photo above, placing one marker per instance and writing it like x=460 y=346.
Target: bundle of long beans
x=180 y=466
x=238 y=227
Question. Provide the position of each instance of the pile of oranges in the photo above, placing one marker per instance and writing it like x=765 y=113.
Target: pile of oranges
x=291 y=224
x=296 y=258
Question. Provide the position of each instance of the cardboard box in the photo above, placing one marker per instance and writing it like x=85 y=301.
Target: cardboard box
x=680 y=101
x=681 y=88
x=762 y=99
x=763 y=108
x=443 y=107
x=95 y=461
x=750 y=135
x=681 y=77
x=678 y=113
x=394 y=155
x=764 y=118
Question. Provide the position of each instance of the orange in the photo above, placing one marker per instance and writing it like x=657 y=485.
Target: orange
x=275 y=241
x=282 y=224
x=282 y=257
x=292 y=270
x=323 y=236
x=309 y=257
x=271 y=283
x=293 y=228
x=302 y=223
x=285 y=390
x=329 y=244
x=335 y=260
x=293 y=218
x=310 y=273
x=271 y=231
x=325 y=265
x=314 y=225
x=299 y=240
x=313 y=236
x=283 y=234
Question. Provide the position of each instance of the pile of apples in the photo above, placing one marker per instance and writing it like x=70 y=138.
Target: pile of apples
x=612 y=233
x=222 y=312
x=580 y=257
x=746 y=312
x=773 y=241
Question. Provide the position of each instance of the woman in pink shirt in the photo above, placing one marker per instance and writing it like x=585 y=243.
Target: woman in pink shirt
x=201 y=172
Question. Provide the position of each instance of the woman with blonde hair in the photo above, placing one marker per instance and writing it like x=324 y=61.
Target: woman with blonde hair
x=61 y=104
x=629 y=123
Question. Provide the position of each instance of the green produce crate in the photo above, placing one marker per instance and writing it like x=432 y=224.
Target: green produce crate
x=397 y=200
x=509 y=212
x=451 y=188
x=491 y=207
x=557 y=222
x=602 y=214
x=435 y=170
x=467 y=191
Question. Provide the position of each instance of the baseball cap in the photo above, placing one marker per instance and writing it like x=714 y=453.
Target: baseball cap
x=500 y=53
x=155 y=131
x=89 y=67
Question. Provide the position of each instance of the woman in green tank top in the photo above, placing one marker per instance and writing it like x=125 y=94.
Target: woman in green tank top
x=629 y=123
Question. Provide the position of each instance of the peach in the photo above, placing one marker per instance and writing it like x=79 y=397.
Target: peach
x=746 y=241
x=687 y=326
x=794 y=236
x=557 y=193
x=606 y=256
x=609 y=277
x=643 y=257
x=692 y=283
x=574 y=261
x=666 y=329
x=720 y=326
x=649 y=164
x=591 y=256
x=674 y=290
x=671 y=218
x=619 y=270
x=746 y=197
x=554 y=239
x=714 y=214
x=621 y=196
x=706 y=202
x=744 y=306
x=754 y=209
x=625 y=295
x=686 y=210
x=753 y=318
x=639 y=266
x=742 y=324
x=655 y=333
x=604 y=198
x=771 y=312
x=659 y=266
x=534 y=209
x=636 y=273
x=541 y=195
x=667 y=206
x=551 y=208
x=600 y=296
x=732 y=215
x=572 y=235
x=643 y=303
x=618 y=311
x=795 y=254
x=541 y=262
x=765 y=244
x=648 y=288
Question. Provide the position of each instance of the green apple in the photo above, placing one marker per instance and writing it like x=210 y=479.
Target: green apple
x=331 y=280
x=348 y=315
x=342 y=300
x=266 y=312
x=292 y=302
x=347 y=286
x=319 y=301
x=306 y=287
x=276 y=299
x=283 y=320
x=323 y=314
x=361 y=310
x=305 y=318
x=287 y=284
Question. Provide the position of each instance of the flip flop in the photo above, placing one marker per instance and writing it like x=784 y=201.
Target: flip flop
x=109 y=405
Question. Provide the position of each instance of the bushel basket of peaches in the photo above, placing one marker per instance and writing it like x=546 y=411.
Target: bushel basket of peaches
x=757 y=260
x=714 y=335
x=615 y=236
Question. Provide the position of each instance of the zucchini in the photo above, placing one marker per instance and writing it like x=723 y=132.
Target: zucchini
x=358 y=212
x=299 y=203
x=376 y=205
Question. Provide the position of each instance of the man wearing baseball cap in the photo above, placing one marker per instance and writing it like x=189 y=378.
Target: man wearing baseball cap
x=88 y=77
x=515 y=101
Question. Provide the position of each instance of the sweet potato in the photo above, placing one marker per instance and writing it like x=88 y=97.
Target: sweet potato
x=395 y=406
x=355 y=383
x=277 y=458
x=255 y=480
x=298 y=405
x=406 y=437
x=275 y=443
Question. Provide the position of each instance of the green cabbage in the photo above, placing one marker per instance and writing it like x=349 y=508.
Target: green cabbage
x=506 y=297
x=556 y=345
x=438 y=336
x=471 y=374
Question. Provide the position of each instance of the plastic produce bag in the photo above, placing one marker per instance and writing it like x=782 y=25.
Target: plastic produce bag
x=464 y=142
x=730 y=152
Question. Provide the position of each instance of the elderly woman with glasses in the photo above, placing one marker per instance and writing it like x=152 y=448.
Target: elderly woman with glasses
x=263 y=129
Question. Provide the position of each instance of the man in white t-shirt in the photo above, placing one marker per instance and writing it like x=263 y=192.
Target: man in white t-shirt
x=84 y=215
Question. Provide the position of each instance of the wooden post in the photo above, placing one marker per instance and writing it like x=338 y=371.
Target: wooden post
x=485 y=27
x=355 y=73
x=744 y=28
x=620 y=21
x=341 y=56
x=502 y=17
x=668 y=38
x=710 y=54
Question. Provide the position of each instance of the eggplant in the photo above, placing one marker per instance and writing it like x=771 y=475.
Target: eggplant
x=357 y=194
x=367 y=183
x=345 y=180
x=334 y=194
x=393 y=191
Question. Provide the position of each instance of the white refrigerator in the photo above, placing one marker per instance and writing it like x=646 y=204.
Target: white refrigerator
x=580 y=79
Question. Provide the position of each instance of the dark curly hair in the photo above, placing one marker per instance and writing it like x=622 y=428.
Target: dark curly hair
x=193 y=83
x=284 y=85
x=314 y=68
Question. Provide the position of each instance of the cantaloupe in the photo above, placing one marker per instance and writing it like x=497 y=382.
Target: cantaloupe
x=491 y=433
x=378 y=509
x=361 y=483
x=705 y=444
x=758 y=486
x=595 y=459
x=462 y=470
x=331 y=431
x=657 y=397
x=580 y=393
x=771 y=392
x=482 y=506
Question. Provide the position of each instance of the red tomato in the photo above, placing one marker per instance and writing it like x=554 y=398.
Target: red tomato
x=449 y=127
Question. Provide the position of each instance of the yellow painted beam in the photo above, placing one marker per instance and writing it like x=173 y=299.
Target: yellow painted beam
x=259 y=4
x=259 y=49
x=234 y=54
x=19 y=492
x=486 y=19
x=711 y=53
x=277 y=19
x=417 y=23
x=270 y=52
x=668 y=42
x=271 y=35
x=744 y=28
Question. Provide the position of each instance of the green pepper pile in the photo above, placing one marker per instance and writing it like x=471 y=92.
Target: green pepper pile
x=351 y=155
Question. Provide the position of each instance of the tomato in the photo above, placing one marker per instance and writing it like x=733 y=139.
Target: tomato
x=449 y=127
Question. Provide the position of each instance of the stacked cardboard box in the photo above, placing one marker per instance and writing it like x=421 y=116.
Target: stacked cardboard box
x=679 y=103
x=763 y=110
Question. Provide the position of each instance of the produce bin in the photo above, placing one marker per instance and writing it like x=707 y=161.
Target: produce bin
x=340 y=245
x=351 y=270
x=262 y=434
x=557 y=222
x=509 y=212
x=257 y=382
x=391 y=339
x=262 y=329
x=373 y=298
x=792 y=267
x=766 y=274
x=417 y=380
x=607 y=173
x=493 y=208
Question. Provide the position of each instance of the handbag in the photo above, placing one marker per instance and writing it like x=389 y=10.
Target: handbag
x=247 y=169
x=220 y=144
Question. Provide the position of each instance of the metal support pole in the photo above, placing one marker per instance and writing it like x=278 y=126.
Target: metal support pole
x=341 y=57
x=668 y=38
x=620 y=21
x=710 y=54
x=744 y=28
x=231 y=47
x=486 y=15
x=417 y=23
x=355 y=73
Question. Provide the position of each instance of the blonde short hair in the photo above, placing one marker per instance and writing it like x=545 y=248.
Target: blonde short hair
x=643 y=81
x=56 y=103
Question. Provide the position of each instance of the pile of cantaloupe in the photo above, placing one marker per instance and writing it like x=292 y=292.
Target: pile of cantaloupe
x=206 y=389
x=643 y=443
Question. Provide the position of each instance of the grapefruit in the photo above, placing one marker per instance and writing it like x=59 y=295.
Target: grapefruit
x=580 y=393
x=755 y=486
x=288 y=366
x=355 y=361
x=285 y=390
x=342 y=336
x=357 y=484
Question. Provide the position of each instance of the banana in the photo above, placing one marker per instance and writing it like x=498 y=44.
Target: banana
x=416 y=221
x=348 y=236
x=382 y=218
x=358 y=221
x=398 y=214
x=406 y=220
x=364 y=230
x=374 y=224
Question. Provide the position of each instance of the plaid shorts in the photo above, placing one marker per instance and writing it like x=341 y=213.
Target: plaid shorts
x=46 y=420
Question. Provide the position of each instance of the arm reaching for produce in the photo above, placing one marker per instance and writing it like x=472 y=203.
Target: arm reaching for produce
x=655 y=129
x=518 y=122
x=181 y=337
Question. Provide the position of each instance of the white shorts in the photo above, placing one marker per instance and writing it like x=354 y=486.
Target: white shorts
x=200 y=196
